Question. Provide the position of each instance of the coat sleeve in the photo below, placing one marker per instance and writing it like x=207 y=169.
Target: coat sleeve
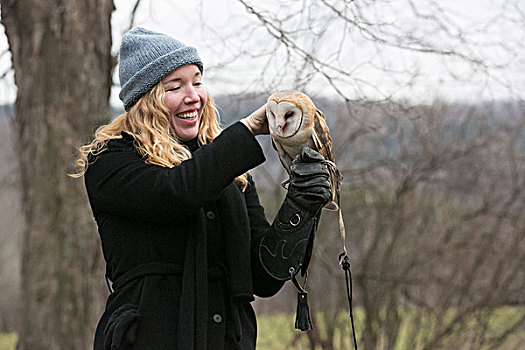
x=262 y=283
x=119 y=181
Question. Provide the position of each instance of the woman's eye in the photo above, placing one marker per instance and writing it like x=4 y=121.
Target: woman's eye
x=198 y=83
x=173 y=88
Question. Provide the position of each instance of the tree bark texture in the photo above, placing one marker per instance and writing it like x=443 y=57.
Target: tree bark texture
x=61 y=53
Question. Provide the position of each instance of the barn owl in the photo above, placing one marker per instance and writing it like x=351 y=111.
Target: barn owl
x=294 y=123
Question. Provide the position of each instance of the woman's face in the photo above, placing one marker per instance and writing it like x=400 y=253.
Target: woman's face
x=185 y=98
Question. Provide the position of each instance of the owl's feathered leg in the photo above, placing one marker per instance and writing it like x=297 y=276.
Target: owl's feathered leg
x=285 y=160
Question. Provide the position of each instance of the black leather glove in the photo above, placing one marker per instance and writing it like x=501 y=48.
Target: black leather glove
x=309 y=186
x=287 y=245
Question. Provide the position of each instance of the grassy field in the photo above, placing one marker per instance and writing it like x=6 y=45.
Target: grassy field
x=417 y=328
x=277 y=332
x=8 y=341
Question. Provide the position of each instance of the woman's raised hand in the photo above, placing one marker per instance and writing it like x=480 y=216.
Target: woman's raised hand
x=257 y=122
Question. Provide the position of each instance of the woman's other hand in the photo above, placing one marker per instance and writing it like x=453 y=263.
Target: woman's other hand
x=257 y=122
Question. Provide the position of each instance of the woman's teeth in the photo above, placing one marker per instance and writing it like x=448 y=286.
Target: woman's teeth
x=187 y=116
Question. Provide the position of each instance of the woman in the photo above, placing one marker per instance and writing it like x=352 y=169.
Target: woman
x=178 y=214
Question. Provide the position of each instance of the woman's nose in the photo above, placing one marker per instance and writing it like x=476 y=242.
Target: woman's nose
x=191 y=95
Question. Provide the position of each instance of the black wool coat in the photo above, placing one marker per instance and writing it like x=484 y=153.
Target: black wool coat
x=180 y=246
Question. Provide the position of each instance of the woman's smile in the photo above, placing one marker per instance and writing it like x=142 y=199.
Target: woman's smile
x=189 y=116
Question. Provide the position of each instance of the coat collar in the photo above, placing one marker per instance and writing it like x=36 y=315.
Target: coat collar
x=127 y=136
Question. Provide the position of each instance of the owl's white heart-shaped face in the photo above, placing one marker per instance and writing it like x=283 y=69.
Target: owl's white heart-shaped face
x=284 y=118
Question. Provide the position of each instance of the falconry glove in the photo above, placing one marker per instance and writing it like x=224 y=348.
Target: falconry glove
x=287 y=246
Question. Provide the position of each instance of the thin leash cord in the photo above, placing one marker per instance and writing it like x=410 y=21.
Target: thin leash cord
x=344 y=261
x=345 y=264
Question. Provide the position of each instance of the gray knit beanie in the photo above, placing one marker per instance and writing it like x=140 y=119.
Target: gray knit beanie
x=145 y=58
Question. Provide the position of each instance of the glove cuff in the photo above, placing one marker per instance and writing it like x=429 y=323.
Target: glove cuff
x=283 y=249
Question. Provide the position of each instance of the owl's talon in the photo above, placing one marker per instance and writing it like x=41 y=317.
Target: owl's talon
x=285 y=183
x=331 y=206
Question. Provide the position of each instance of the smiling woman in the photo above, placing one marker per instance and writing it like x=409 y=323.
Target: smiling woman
x=178 y=215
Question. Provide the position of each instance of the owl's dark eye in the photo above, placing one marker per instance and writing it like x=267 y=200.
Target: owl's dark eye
x=288 y=115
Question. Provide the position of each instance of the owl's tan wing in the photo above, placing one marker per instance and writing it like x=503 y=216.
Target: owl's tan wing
x=323 y=143
x=322 y=137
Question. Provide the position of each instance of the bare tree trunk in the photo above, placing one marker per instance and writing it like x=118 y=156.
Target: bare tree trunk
x=61 y=52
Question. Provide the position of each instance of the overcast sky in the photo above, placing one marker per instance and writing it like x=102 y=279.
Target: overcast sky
x=221 y=29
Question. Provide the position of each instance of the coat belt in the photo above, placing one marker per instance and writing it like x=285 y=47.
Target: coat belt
x=157 y=268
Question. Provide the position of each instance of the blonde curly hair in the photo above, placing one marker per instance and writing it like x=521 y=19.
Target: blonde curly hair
x=148 y=121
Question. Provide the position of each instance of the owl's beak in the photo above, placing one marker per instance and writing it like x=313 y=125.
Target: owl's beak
x=280 y=129
x=281 y=126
